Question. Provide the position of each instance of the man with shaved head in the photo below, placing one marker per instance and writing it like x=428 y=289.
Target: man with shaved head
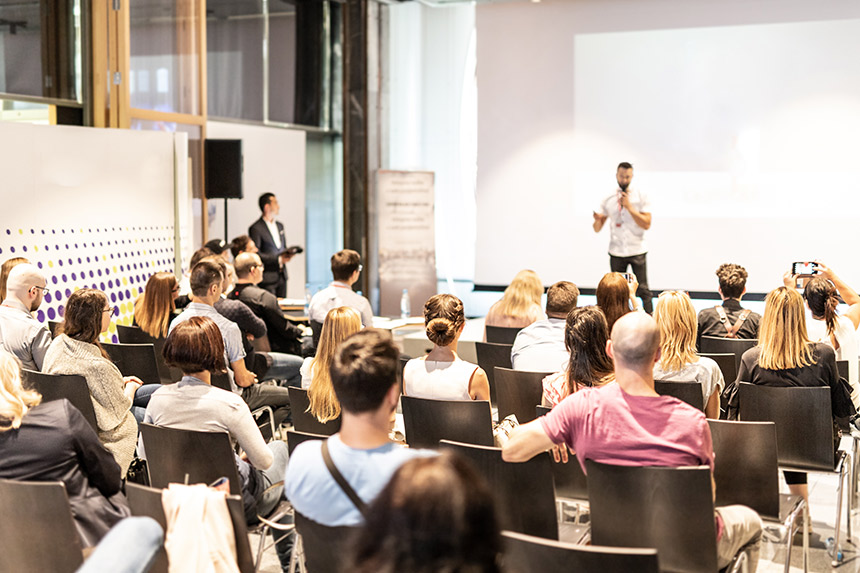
x=627 y=423
x=20 y=333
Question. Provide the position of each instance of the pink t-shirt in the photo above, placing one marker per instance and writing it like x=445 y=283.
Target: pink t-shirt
x=608 y=426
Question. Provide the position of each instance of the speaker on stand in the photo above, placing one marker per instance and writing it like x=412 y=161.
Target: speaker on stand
x=223 y=171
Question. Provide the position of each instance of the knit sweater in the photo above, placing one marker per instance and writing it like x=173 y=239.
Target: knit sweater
x=117 y=426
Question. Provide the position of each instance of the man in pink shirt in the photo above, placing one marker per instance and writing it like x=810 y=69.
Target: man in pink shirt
x=629 y=424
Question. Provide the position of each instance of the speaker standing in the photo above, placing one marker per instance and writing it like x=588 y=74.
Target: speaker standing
x=271 y=242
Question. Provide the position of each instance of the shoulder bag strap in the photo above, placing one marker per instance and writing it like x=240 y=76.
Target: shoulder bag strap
x=341 y=481
x=721 y=312
x=733 y=332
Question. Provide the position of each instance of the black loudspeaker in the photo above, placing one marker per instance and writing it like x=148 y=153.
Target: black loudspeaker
x=223 y=158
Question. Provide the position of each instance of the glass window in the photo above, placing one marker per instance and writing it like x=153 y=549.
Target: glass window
x=40 y=49
x=25 y=112
x=323 y=205
x=164 y=62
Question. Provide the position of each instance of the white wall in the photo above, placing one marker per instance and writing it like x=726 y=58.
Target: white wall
x=274 y=161
x=530 y=211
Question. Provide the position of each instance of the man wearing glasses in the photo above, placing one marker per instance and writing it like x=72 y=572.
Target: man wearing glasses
x=20 y=333
x=345 y=269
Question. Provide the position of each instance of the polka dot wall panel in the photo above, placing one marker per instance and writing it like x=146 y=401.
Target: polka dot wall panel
x=116 y=260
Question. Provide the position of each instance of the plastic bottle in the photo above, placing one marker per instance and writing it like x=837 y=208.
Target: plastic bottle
x=834 y=552
x=405 y=305
x=307 y=298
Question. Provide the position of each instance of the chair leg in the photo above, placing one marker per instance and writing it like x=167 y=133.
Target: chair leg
x=806 y=524
x=789 y=536
x=259 y=559
x=835 y=557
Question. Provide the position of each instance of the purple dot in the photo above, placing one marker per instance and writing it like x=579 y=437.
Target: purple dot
x=11 y=249
x=113 y=297
x=64 y=278
x=127 y=294
x=102 y=286
x=53 y=231
x=48 y=297
x=79 y=260
x=99 y=272
x=107 y=271
x=88 y=259
x=92 y=274
x=68 y=292
x=61 y=310
x=32 y=232
x=74 y=276
x=54 y=279
x=64 y=231
x=120 y=295
x=58 y=295
x=51 y=314
x=40 y=316
x=39 y=263
x=60 y=261
x=24 y=248
x=8 y=232
x=47 y=248
x=43 y=231
x=114 y=339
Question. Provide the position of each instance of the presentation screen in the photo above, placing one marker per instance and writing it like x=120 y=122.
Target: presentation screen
x=744 y=138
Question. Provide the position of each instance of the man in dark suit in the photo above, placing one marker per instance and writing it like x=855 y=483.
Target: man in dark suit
x=271 y=241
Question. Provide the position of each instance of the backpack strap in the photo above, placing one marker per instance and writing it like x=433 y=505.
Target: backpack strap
x=732 y=330
x=341 y=481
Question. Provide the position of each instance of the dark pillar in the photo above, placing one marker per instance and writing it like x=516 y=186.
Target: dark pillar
x=310 y=51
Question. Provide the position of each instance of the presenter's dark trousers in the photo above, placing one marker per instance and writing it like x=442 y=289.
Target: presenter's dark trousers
x=639 y=267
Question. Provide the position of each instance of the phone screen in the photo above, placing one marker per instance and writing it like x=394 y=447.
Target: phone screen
x=803 y=269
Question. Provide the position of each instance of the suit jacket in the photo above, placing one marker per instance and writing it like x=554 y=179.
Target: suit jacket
x=274 y=274
x=283 y=335
x=55 y=443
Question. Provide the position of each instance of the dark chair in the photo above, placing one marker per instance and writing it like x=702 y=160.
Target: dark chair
x=427 y=421
x=489 y=356
x=187 y=456
x=221 y=380
x=316 y=327
x=726 y=362
x=689 y=392
x=54 y=327
x=403 y=360
x=746 y=473
x=670 y=509
x=324 y=547
x=69 y=386
x=518 y=392
x=528 y=553
x=135 y=360
x=295 y=438
x=804 y=434
x=569 y=479
x=134 y=335
x=842 y=368
x=146 y=501
x=523 y=491
x=37 y=529
x=303 y=420
x=502 y=334
x=717 y=345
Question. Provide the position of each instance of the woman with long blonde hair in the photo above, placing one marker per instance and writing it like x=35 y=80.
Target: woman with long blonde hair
x=786 y=357
x=679 y=361
x=520 y=304
x=339 y=324
x=51 y=441
x=153 y=310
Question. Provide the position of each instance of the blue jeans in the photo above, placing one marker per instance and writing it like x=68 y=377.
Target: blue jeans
x=129 y=547
x=285 y=367
x=141 y=400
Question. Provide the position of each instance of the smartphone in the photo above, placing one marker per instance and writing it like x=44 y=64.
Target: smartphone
x=804 y=269
x=631 y=278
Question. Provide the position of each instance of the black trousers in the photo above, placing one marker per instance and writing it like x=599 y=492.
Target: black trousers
x=639 y=267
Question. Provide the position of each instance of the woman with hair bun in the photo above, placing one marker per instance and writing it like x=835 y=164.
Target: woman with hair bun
x=830 y=328
x=442 y=374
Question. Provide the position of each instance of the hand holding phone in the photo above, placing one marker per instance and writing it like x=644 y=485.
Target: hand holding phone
x=804 y=269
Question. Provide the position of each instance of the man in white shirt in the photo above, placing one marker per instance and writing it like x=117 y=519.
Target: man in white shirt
x=629 y=214
x=268 y=235
x=345 y=269
x=540 y=347
x=21 y=334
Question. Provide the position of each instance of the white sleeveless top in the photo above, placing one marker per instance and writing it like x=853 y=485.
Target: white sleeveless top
x=438 y=380
x=849 y=347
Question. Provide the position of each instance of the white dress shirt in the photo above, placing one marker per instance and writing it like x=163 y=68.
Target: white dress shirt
x=276 y=235
x=339 y=294
x=626 y=237
x=539 y=347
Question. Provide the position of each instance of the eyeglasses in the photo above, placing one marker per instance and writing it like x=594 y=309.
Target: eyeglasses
x=111 y=309
x=45 y=290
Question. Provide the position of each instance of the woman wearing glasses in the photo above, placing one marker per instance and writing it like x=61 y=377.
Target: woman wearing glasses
x=77 y=351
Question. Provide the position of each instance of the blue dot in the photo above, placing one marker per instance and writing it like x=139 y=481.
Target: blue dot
x=51 y=314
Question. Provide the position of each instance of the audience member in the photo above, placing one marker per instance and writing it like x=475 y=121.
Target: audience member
x=185 y=283
x=7 y=266
x=207 y=281
x=21 y=334
x=539 y=347
x=442 y=374
x=837 y=331
x=284 y=336
x=520 y=304
x=153 y=310
x=196 y=347
x=242 y=244
x=345 y=269
x=340 y=323
x=679 y=361
x=219 y=248
x=786 y=357
x=628 y=423
x=435 y=515
x=585 y=336
x=117 y=400
x=730 y=319
x=129 y=547
x=364 y=376
x=616 y=296
x=52 y=441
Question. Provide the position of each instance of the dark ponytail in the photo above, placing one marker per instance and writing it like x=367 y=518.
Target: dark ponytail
x=822 y=299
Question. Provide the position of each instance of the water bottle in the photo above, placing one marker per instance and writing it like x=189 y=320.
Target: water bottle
x=834 y=552
x=307 y=298
x=405 y=305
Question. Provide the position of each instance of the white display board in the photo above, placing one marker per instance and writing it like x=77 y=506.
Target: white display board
x=91 y=207
x=738 y=118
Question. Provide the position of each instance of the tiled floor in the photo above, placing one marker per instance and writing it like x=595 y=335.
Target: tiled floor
x=822 y=498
